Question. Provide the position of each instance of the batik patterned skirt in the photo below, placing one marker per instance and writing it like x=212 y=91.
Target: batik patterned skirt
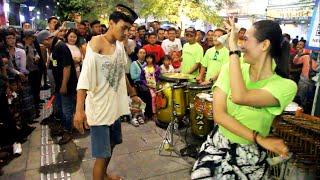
x=220 y=159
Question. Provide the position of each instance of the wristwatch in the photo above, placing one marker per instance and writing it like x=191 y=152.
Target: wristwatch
x=237 y=52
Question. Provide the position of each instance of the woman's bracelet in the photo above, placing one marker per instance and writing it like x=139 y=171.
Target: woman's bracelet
x=255 y=134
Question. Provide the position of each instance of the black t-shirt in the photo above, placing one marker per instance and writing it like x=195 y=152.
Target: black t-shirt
x=61 y=57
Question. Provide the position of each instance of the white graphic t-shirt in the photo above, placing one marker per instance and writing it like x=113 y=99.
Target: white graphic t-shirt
x=103 y=76
x=170 y=46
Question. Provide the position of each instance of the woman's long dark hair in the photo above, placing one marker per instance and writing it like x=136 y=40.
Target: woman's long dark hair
x=279 y=49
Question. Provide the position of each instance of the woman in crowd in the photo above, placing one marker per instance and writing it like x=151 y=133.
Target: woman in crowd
x=236 y=148
x=72 y=42
x=142 y=90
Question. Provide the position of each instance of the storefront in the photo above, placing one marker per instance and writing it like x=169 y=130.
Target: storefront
x=293 y=15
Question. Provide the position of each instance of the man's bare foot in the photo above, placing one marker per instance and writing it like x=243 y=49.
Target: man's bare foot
x=113 y=177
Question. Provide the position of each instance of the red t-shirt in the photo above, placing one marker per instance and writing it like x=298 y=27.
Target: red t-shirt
x=156 y=50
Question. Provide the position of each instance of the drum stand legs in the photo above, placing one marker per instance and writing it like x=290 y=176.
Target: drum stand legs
x=168 y=142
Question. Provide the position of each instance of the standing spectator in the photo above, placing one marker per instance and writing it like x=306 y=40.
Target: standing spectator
x=143 y=92
x=136 y=66
x=133 y=32
x=208 y=43
x=156 y=26
x=153 y=48
x=141 y=41
x=103 y=28
x=83 y=36
x=160 y=36
x=65 y=78
x=53 y=24
x=26 y=26
x=33 y=59
x=172 y=43
x=82 y=33
x=241 y=33
x=17 y=61
x=192 y=54
x=95 y=29
x=61 y=33
x=306 y=86
x=72 y=42
x=200 y=36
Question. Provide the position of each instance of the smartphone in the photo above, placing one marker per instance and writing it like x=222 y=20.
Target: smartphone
x=236 y=20
x=70 y=25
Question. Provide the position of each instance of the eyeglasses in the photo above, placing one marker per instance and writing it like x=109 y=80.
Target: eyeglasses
x=215 y=55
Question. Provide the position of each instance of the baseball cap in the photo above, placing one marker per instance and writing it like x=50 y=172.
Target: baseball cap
x=191 y=30
x=43 y=35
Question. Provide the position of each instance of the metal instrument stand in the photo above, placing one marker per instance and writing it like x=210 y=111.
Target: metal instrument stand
x=168 y=142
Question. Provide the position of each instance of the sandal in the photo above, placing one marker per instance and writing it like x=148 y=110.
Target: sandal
x=134 y=122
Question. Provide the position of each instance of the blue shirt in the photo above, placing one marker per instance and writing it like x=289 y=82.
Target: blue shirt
x=135 y=71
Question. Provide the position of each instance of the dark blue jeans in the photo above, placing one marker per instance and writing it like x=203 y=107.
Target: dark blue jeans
x=66 y=105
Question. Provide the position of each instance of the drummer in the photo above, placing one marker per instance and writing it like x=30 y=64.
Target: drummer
x=213 y=60
x=192 y=54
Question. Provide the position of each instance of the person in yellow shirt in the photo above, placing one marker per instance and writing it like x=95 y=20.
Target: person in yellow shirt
x=247 y=98
x=192 y=53
x=213 y=60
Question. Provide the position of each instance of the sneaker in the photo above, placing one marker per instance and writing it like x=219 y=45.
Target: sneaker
x=134 y=122
x=45 y=87
x=66 y=137
x=140 y=120
x=17 y=149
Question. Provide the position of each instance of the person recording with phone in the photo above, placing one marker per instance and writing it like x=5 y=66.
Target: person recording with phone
x=247 y=98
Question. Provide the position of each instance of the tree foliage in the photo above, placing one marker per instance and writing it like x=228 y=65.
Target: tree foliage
x=89 y=9
x=172 y=10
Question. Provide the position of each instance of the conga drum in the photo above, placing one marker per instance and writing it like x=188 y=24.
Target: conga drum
x=198 y=98
x=170 y=97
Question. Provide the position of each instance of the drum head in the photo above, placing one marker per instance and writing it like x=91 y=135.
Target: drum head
x=203 y=95
x=167 y=79
x=175 y=77
x=179 y=85
x=199 y=86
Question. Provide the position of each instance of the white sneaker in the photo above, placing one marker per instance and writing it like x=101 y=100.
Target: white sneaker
x=134 y=122
x=17 y=149
x=140 y=120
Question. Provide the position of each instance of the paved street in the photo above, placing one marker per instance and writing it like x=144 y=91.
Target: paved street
x=136 y=158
